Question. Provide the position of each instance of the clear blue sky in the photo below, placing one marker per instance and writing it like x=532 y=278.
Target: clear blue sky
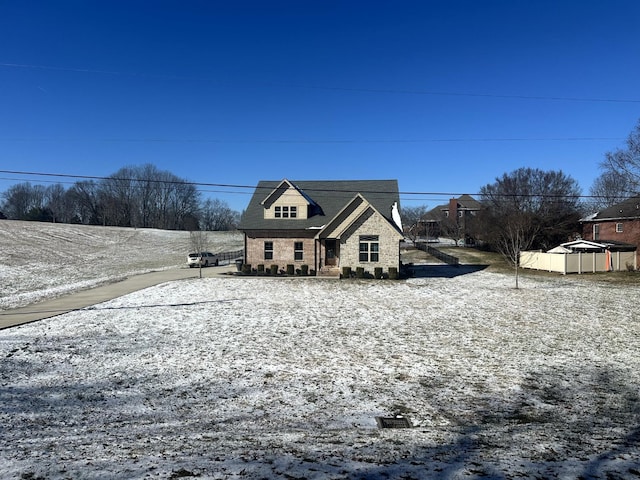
x=442 y=95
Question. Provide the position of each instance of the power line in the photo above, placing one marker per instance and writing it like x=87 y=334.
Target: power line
x=330 y=88
x=314 y=141
x=466 y=94
x=69 y=182
x=203 y=190
x=256 y=187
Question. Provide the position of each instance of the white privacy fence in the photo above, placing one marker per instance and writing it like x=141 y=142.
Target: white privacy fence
x=579 y=262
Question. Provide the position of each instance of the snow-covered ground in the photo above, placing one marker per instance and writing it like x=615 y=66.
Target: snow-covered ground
x=43 y=260
x=247 y=377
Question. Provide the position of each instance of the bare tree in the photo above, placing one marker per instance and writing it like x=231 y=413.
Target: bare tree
x=16 y=201
x=118 y=197
x=608 y=189
x=183 y=204
x=198 y=243
x=626 y=162
x=24 y=201
x=411 y=218
x=216 y=215
x=56 y=201
x=620 y=178
x=138 y=196
x=529 y=208
x=451 y=227
x=85 y=204
x=518 y=235
x=147 y=197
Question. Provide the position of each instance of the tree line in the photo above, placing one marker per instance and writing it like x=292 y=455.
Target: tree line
x=137 y=196
x=545 y=204
x=529 y=208
x=526 y=208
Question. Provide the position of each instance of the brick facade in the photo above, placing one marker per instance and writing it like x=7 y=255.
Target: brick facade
x=388 y=239
x=607 y=231
x=314 y=253
x=328 y=218
x=283 y=250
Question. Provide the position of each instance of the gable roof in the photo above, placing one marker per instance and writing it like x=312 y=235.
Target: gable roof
x=600 y=245
x=331 y=196
x=351 y=216
x=627 y=210
x=283 y=187
x=465 y=202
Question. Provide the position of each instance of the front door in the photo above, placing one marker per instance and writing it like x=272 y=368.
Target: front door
x=331 y=255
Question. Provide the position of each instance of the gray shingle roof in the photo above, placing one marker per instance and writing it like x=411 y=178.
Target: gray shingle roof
x=469 y=203
x=465 y=202
x=629 y=208
x=330 y=195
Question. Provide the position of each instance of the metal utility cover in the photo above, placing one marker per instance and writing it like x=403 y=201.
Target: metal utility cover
x=393 y=422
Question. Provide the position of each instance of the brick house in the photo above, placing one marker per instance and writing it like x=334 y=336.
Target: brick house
x=455 y=219
x=325 y=225
x=619 y=223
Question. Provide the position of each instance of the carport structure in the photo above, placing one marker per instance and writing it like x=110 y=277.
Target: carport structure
x=582 y=256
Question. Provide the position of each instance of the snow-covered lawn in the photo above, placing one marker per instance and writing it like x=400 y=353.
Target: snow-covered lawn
x=44 y=260
x=246 y=377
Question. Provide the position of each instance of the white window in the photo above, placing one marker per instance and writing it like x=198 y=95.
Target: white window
x=369 y=248
x=285 y=212
x=268 y=250
x=619 y=228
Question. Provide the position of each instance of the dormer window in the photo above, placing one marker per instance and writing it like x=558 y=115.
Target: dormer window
x=287 y=201
x=282 y=211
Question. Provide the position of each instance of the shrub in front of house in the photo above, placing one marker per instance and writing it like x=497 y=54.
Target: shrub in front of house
x=346 y=272
x=291 y=269
x=274 y=269
x=377 y=272
x=246 y=268
x=393 y=273
x=304 y=270
x=261 y=269
x=359 y=272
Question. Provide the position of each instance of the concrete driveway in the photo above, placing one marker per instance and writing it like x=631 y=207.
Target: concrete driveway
x=93 y=296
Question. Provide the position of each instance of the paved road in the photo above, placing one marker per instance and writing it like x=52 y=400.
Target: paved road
x=93 y=296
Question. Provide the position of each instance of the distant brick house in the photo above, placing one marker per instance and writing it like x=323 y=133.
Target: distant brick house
x=325 y=225
x=453 y=219
x=619 y=223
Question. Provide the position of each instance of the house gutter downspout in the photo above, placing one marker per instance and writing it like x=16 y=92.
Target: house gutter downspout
x=244 y=257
